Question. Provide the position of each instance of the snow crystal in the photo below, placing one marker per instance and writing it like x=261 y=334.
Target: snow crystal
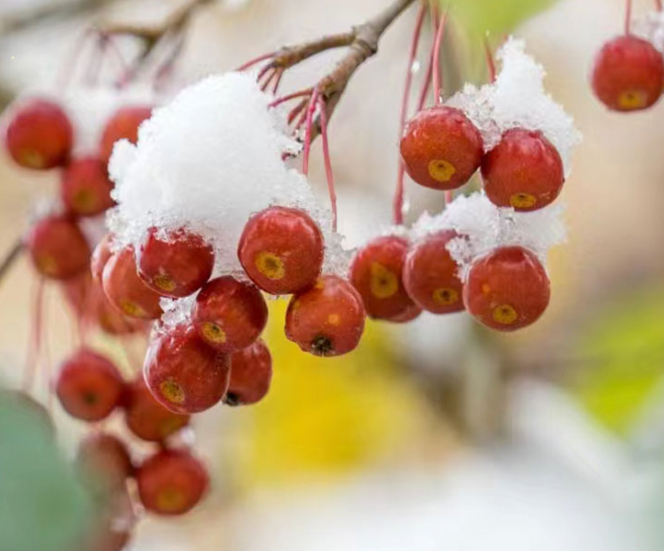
x=518 y=100
x=207 y=161
x=651 y=28
x=482 y=227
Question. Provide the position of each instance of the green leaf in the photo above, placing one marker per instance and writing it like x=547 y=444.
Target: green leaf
x=42 y=505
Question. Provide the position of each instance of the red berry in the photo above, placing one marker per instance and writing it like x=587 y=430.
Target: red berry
x=85 y=187
x=171 y=482
x=89 y=386
x=147 y=418
x=58 y=248
x=126 y=290
x=183 y=373
x=441 y=148
x=376 y=272
x=229 y=315
x=326 y=319
x=251 y=374
x=430 y=275
x=123 y=125
x=281 y=249
x=176 y=264
x=112 y=523
x=100 y=256
x=523 y=171
x=39 y=136
x=628 y=74
x=105 y=460
x=507 y=289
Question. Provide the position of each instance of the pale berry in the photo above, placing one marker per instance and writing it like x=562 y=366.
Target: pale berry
x=85 y=187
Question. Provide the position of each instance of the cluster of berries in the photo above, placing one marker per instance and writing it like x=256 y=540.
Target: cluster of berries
x=628 y=74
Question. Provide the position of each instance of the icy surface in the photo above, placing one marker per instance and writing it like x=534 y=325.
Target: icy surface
x=483 y=227
x=207 y=161
x=651 y=27
x=518 y=100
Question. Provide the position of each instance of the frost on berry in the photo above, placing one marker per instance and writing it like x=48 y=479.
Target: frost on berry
x=518 y=99
x=651 y=28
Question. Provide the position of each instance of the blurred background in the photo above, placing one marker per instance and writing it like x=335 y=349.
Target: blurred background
x=434 y=435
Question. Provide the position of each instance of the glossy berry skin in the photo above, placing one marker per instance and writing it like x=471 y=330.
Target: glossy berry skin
x=431 y=277
x=524 y=171
x=281 y=250
x=89 y=386
x=85 y=187
x=112 y=523
x=229 y=315
x=175 y=265
x=507 y=289
x=125 y=290
x=100 y=256
x=184 y=374
x=376 y=272
x=171 y=482
x=58 y=248
x=441 y=148
x=326 y=319
x=39 y=135
x=147 y=418
x=104 y=459
x=628 y=74
x=251 y=375
x=123 y=125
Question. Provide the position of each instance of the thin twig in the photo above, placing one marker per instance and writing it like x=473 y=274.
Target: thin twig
x=628 y=17
x=328 y=163
x=490 y=62
x=11 y=257
x=437 y=79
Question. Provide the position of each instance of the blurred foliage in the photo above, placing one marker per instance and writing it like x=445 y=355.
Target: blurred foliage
x=326 y=415
x=493 y=16
x=624 y=348
x=42 y=505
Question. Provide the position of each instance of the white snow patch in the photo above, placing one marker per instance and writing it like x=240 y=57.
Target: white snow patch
x=651 y=28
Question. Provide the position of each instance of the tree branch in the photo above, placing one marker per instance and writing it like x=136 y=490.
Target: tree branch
x=11 y=257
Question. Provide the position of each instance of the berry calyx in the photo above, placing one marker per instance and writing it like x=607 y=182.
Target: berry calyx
x=441 y=148
x=171 y=482
x=184 y=374
x=175 y=264
x=628 y=74
x=524 y=171
x=251 y=374
x=39 y=136
x=105 y=462
x=123 y=125
x=431 y=277
x=85 y=188
x=89 y=386
x=58 y=248
x=229 y=315
x=376 y=272
x=507 y=289
x=281 y=249
x=100 y=256
x=125 y=290
x=326 y=319
x=147 y=418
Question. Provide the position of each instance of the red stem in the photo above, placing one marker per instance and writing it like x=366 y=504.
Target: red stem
x=328 y=162
x=658 y=4
x=307 y=136
x=289 y=97
x=253 y=62
x=297 y=110
x=280 y=74
x=628 y=17
x=399 y=192
x=268 y=80
x=34 y=342
x=437 y=81
x=490 y=62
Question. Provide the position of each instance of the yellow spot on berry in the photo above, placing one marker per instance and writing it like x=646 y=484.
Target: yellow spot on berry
x=132 y=309
x=213 y=333
x=319 y=284
x=164 y=282
x=47 y=265
x=171 y=499
x=84 y=201
x=384 y=283
x=171 y=425
x=505 y=314
x=172 y=391
x=441 y=170
x=523 y=201
x=486 y=289
x=632 y=99
x=270 y=265
x=445 y=296
x=32 y=159
x=334 y=319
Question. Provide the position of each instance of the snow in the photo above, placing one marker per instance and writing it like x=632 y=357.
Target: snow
x=651 y=27
x=518 y=100
x=206 y=162
x=483 y=227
